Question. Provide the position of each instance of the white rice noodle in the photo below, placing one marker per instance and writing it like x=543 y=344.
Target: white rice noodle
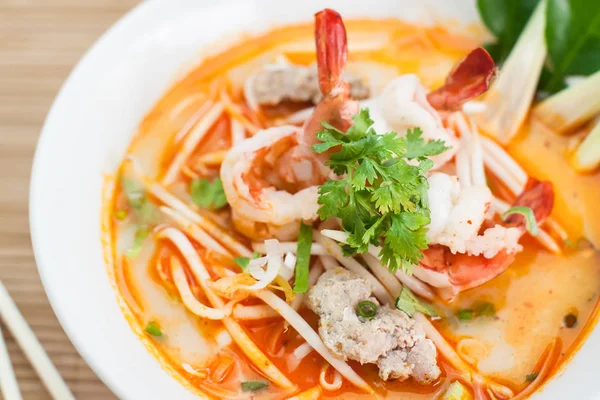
x=504 y=160
x=329 y=262
x=384 y=275
x=553 y=352
x=202 y=276
x=415 y=285
x=350 y=263
x=302 y=351
x=314 y=393
x=249 y=93
x=290 y=247
x=330 y=386
x=463 y=170
x=470 y=133
x=191 y=370
x=467 y=372
x=311 y=337
x=190 y=142
x=250 y=313
x=342 y=237
x=173 y=202
x=299 y=117
x=238 y=133
x=313 y=275
x=183 y=104
x=288 y=267
x=474 y=107
x=274 y=263
x=433 y=278
x=556 y=227
x=194 y=231
x=214 y=158
x=238 y=334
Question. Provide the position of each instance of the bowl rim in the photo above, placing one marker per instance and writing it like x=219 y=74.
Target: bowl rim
x=138 y=12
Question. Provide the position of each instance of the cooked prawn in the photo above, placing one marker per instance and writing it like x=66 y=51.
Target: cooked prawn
x=271 y=179
x=467 y=247
x=405 y=103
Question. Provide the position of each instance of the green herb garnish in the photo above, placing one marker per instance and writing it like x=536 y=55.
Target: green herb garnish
x=243 y=262
x=409 y=304
x=531 y=377
x=145 y=212
x=381 y=198
x=303 y=258
x=140 y=235
x=153 y=330
x=486 y=310
x=465 y=314
x=254 y=386
x=367 y=309
x=527 y=213
x=120 y=215
x=207 y=194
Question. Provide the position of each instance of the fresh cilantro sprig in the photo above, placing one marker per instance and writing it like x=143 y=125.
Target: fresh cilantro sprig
x=381 y=195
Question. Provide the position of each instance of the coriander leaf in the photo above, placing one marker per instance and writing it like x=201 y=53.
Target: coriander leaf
x=153 y=329
x=465 y=314
x=380 y=198
x=486 y=310
x=362 y=123
x=243 y=262
x=531 y=377
x=254 y=386
x=146 y=213
x=405 y=240
x=303 y=258
x=505 y=19
x=573 y=39
x=329 y=139
x=208 y=194
x=417 y=147
x=409 y=304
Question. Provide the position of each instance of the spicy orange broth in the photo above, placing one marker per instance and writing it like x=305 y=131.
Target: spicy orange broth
x=410 y=48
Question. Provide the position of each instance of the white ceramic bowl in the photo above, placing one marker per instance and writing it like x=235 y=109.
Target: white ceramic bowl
x=86 y=133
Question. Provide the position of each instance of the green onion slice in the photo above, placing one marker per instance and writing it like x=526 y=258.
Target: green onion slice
x=367 y=309
x=253 y=386
x=303 y=258
x=530 y=222
x=153 y=330
x=465 y=314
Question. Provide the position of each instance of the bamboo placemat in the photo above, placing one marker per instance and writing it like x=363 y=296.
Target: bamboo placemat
x=40 y=42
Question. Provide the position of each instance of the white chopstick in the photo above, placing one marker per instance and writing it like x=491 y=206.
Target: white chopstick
x=8 y=381
x=34 y=351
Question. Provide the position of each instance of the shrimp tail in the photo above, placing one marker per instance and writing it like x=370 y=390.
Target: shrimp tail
x=332 y=49
x=539 y=196
x=469 y=78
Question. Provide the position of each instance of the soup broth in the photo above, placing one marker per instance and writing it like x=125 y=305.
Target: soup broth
x=543 y=303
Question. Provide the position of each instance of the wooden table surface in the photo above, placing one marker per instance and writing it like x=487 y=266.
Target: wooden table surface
x=40 y=42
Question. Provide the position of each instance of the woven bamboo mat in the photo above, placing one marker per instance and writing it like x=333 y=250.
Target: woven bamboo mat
x=40 y=41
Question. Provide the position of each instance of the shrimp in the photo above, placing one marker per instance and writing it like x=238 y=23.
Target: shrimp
x=405 y=103
x=467 y=248
x=271 y=180
x=404 y=106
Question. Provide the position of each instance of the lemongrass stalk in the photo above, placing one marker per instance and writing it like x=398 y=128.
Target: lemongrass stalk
x=572 y=106
x=587 y=155
x=510 y=95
